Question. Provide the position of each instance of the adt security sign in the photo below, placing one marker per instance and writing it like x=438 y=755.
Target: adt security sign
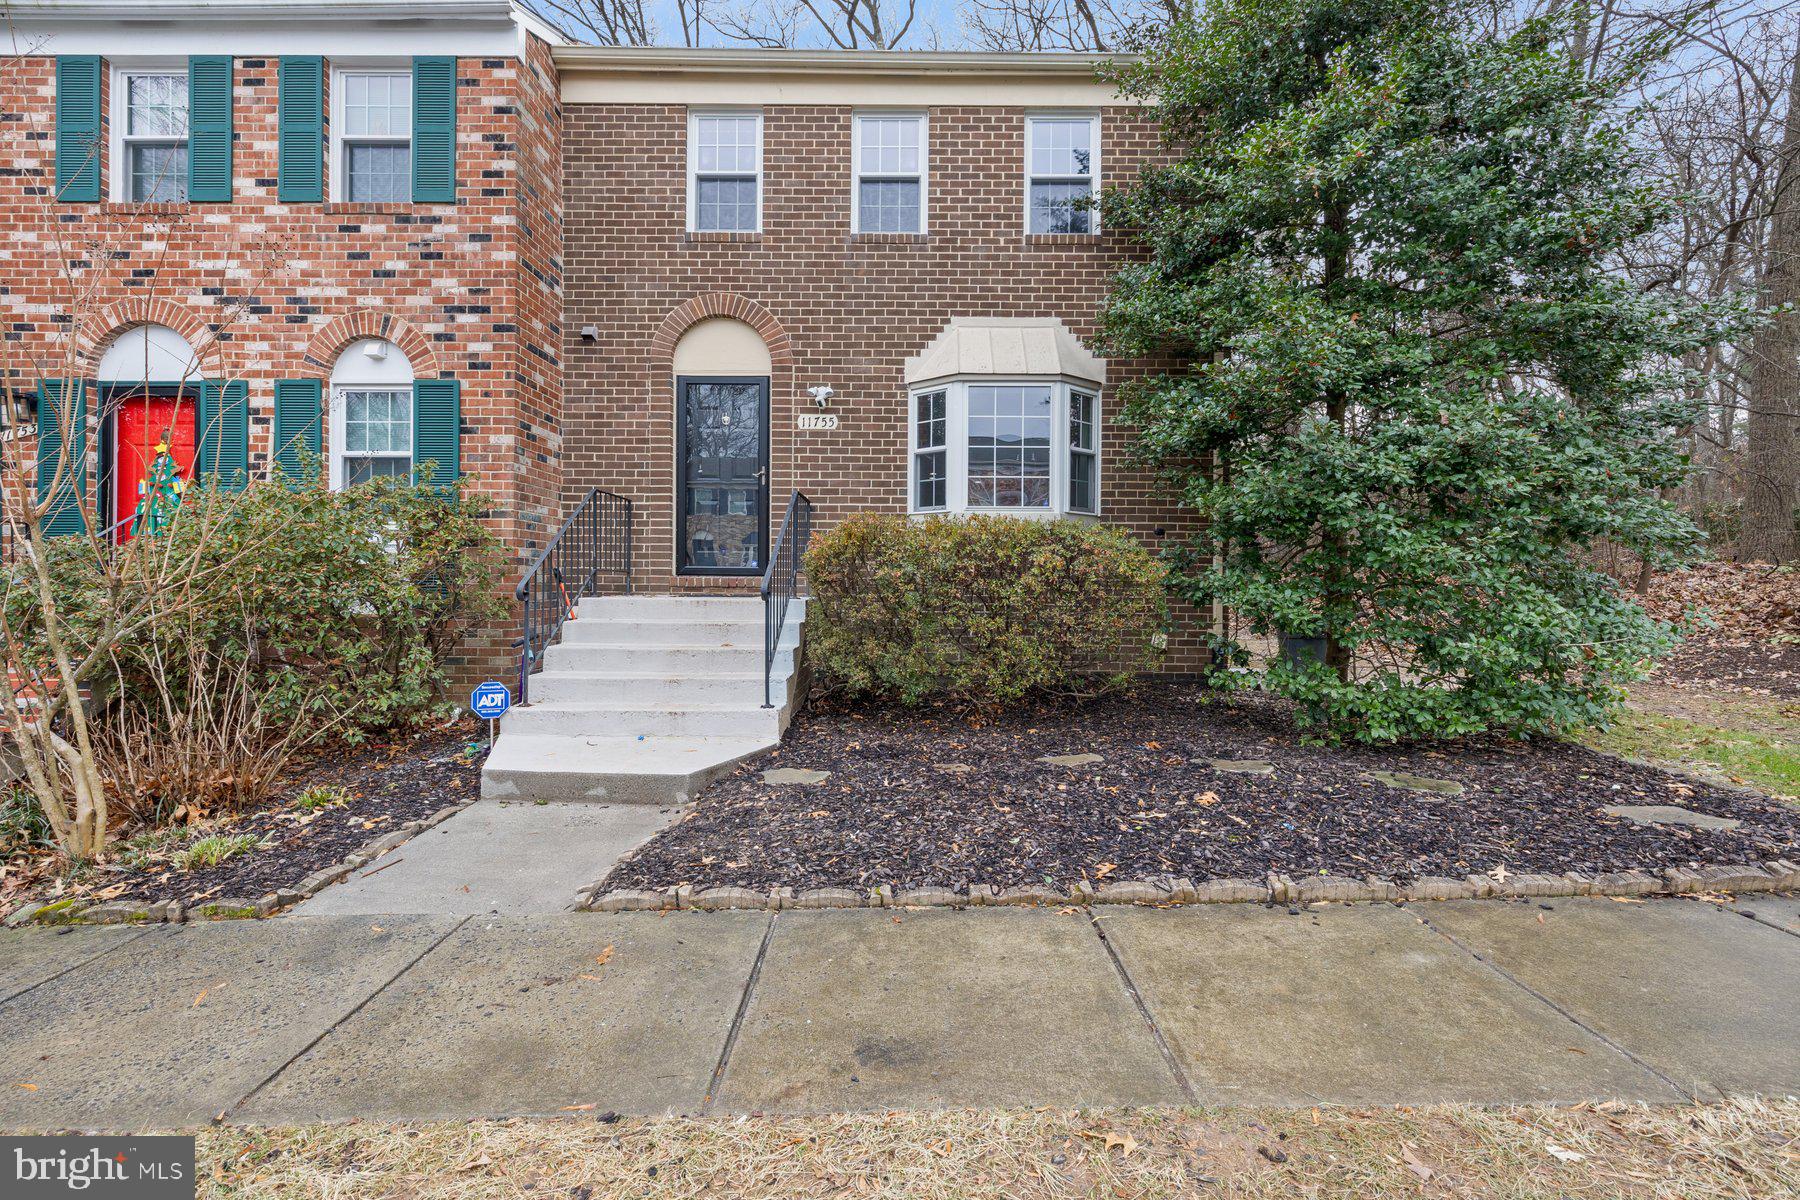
x=490 y=699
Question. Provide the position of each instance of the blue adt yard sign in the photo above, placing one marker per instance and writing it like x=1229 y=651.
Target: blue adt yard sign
x=490 y=699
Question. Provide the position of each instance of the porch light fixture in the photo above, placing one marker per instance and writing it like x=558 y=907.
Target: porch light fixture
x=821 y=394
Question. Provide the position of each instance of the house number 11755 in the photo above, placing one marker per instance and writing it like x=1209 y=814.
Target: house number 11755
x=816 y=421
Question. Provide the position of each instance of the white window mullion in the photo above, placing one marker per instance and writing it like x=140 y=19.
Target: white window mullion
x=1018 y=399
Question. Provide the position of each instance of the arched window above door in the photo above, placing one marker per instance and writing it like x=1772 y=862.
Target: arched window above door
x=148 y=354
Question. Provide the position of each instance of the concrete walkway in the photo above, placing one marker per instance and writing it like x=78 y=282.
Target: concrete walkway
x=416 y=1017
x=496 y=858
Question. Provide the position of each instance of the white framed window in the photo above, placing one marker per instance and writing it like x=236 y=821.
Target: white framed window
x=150 y=134
x=1062 y=172
x=1025 y=447
x=370 y=421
x=724 y=171
x=888 y=152
x=371 y=134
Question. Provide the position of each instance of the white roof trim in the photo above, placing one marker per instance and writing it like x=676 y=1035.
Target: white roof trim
x=1008 y=346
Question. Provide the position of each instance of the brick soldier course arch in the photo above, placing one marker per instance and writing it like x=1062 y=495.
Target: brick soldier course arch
x=102 y=328
x=324 y=346
x=720 y=304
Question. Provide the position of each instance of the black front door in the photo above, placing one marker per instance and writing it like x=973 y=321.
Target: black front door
x=722 y=480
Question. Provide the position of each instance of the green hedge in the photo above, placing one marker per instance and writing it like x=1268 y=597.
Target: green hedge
x=981 y=610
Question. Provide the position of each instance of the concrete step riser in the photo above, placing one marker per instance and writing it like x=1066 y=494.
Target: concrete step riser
x=597 y=788
x=542 y=720
x=694 y=608
x=559 y=688
x=684 y=661
x=663 y=633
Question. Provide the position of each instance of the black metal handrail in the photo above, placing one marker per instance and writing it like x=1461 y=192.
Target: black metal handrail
x=781 y=581
x=594 y=541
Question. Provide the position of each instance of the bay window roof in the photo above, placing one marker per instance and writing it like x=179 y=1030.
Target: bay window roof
x=1018 y=347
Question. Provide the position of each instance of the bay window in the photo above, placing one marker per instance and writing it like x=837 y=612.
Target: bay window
x=1024 y=447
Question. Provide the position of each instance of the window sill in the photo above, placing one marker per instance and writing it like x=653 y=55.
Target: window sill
x=1023 y=514
x=711 y=235
x=888 y=239
x=373 y=208
x=146 y=208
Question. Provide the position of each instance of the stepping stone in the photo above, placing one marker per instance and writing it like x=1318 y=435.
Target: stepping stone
x=1239 y=766
x=1072 y=760
x=1669 y=814
x=795 y=775
x=1417 y=783
x=953 y=768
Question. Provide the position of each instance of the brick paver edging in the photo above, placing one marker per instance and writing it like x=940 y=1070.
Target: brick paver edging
x=1777 y=876
x=158 y=912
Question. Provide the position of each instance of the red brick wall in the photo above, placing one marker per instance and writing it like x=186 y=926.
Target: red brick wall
x=271 y=290
x=837 y=308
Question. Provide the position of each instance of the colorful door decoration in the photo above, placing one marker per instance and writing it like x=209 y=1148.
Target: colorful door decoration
x=154 y=459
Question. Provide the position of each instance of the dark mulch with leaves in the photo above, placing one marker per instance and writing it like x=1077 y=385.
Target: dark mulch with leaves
x=1750 y=665
x=389 y=783
x=932 y=799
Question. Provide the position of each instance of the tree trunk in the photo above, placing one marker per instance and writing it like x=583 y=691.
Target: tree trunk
x=1772 y=464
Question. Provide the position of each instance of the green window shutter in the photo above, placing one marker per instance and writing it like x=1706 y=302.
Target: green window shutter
x=437 y=428
x=78 y=127
x=66 y=514
x=223 y=454
x=297 y=425
x=434 y=131
x=209 y=128
x=300 y=136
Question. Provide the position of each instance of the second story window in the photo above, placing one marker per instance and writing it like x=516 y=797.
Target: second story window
x=889 y=153
x=153 y=135
x=1062 y=170
x=374 y=135
x=725 y=172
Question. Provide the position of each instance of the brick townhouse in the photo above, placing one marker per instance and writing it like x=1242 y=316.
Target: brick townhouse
x=691 y=281
x=251 y=224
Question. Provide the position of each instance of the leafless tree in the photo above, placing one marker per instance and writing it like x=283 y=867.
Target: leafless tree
x=1068 y=25
x=837 y=24
x=620 y=22
x=1772 y=459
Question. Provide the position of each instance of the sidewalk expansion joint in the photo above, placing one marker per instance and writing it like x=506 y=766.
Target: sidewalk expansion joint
x=737 y=1018
x=1790 y=930
x=1540 y=997
x=1137 y=998
x=75 y=966
x=338 y=1024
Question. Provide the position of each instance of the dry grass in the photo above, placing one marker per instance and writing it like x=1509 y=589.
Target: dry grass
x=1736 y=1149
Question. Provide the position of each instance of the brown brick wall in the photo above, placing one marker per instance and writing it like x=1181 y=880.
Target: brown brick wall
x=837 y=308
x=272 y=290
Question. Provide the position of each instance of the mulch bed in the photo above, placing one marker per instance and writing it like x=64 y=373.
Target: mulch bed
x=931 y=799
x=390 y=783
x=1744 y=664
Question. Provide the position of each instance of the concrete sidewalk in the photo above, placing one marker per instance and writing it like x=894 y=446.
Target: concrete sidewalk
x=496 y=858
x=411 y=1018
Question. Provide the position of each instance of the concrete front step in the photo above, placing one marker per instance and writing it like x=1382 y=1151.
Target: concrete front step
x=644 y=700
x=638 y=659
x=669 y=632
x=695 y=608
x=572 y=687
x=610 y=770
x=590 y=718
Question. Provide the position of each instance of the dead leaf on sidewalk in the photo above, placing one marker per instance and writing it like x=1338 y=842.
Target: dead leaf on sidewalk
x=578 y=1108
x=30 y=1087
x=603 y=956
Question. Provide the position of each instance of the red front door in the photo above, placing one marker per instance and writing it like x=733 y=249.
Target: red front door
x=141 y=426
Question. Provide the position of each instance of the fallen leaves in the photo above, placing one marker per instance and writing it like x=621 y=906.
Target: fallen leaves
x=1564 y=1154
x=605 y=956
